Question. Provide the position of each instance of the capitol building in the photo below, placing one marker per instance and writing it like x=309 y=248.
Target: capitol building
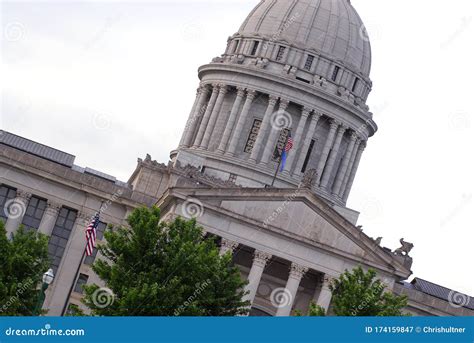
x=294 y=71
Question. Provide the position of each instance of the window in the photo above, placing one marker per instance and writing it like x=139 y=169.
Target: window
x=6 y=194
x=89 y=260
x=335 y=73
x=255 y=48
x=281 y=53
x=232 y=178
x=34 y=213
x=309 y=62
x=308 y=155
x=81 y=281
x=356 y=83
x=253 y=136
x=236 y=46
x=281 y=144
x=61 y=232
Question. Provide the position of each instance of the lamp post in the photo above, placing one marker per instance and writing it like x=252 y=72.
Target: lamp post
x=48 y=278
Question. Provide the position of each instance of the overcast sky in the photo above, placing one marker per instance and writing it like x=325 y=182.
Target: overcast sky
x=111 y=81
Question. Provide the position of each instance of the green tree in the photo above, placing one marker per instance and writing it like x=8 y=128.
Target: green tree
x=155 y=268
x=360 y=294
x=314 y=311
x=24 y=259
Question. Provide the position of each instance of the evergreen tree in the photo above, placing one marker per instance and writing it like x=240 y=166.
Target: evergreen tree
x=155 y=268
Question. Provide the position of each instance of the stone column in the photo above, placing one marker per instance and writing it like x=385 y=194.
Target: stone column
x=214 y=115
x=260 y=260
x=307 y=141
x=327 y=148
x=332 y=157
x=325 y=296
x=15 y=209
x=71 y=260
x=195 y=116
x=227 y=246
x=296 y=274
x=207 y=115
x=362 y=147
x=241 y=122
x=341 y=174
x=190 y=118
x=349 y=168
x=232 y=118
x=298 y=137
x=266 y=123
x=274 y=135
x=49 y=218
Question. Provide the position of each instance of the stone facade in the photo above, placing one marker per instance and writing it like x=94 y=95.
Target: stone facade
x=289 y=236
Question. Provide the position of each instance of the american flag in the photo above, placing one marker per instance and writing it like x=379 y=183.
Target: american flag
x=91 y=235
x=289 y=143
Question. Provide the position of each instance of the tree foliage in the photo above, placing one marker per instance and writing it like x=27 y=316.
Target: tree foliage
x=360 y=294
x=23 y=260
x=155 y=268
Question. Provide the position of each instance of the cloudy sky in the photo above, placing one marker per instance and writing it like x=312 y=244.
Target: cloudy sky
x=111 y=81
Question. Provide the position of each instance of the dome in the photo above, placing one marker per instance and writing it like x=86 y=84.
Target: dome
x=332 y=28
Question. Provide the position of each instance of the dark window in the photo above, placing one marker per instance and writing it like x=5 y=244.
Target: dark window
x=281 y=144
x=59 y=237
x=309 y=62
x=303 y=80
x=281 y=53
x=89 y=260
x=34 y=213
x=253 y=136
x=6 y=193
x=308 y=156
x=356 y=83
x=236 y=46
x=81 y=281
x=335 y=73
x=255 y=48
x=100 y=230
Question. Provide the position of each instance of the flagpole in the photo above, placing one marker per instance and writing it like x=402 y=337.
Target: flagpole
x=276 y=172
x=81 y=262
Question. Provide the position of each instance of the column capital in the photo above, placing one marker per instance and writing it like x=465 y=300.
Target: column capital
x=240 y=91
x=228 y=244
x=261 y=258
x=284 y=103
x=317 y=115
x=326 y=280
x=354 y=136
x=272 y=100
x=222 y=88
x=251 y=94
x=297 y=271
x=306 y=112
x=52 y=207
x=363 y=145
x=335 y=124
x=343 y=128
x=23 y=195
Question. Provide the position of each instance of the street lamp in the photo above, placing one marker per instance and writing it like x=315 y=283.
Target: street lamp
x=48 y=278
